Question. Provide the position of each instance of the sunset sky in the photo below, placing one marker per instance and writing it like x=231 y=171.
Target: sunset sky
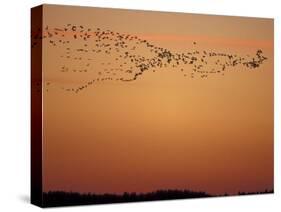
x=163 y=130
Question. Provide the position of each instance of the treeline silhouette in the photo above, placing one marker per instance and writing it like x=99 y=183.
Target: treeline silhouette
x=61 y=198
x=258 y=192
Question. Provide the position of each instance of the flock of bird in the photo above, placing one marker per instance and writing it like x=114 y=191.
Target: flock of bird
x=127 y=57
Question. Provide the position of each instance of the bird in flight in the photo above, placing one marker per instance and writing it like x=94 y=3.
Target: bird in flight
x=130 y=56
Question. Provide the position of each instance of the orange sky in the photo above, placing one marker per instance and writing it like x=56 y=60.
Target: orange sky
x=162 y=131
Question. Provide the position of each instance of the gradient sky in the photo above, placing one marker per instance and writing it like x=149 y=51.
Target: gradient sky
x=162 y=131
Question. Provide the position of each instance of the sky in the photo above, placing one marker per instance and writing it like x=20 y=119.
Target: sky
x=169 y=128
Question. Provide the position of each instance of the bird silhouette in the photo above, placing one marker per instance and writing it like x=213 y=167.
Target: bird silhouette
x=130 y=56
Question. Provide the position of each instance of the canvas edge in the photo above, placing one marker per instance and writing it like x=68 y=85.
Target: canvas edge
x=36 y=190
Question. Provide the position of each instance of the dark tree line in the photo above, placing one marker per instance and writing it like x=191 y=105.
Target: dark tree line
x=61 y=198
x=258 y=192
